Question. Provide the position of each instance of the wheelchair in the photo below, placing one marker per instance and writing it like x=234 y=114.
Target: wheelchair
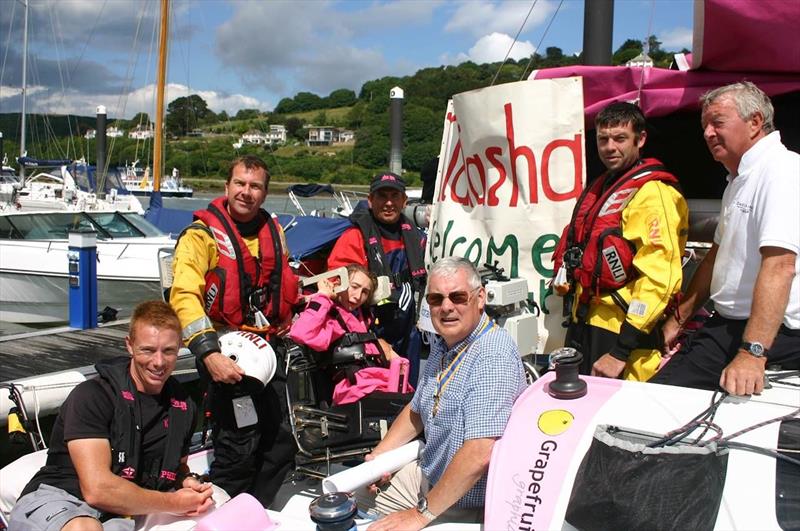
x=327 y=433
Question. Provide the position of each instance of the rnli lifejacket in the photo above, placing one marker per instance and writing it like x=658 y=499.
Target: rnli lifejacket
x=592 y=248
x=376 y=257
x=126 y=436
x=242 y=283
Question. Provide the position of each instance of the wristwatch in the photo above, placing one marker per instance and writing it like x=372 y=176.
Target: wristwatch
x=422 y=508
x=755 y=348
x=194 y=475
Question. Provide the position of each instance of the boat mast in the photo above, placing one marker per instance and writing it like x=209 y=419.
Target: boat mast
x=598 y=27
x=162 y=74
x=22 y=148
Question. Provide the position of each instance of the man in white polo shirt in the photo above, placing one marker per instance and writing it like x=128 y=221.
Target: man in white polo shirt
x=751 y=270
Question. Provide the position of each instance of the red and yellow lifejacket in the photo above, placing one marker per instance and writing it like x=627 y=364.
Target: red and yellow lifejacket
x=242 y=283
x=592 y=248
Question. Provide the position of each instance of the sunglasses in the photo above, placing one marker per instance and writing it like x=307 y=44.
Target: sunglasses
x=456 y=297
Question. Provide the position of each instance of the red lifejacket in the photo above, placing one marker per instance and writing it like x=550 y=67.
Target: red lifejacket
x=592 y=248
x=241 y=282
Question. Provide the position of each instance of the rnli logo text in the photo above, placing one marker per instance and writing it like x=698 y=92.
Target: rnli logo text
x=614 y=263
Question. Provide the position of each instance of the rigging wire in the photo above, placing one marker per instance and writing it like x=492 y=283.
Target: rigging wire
x=122 y=100
x=8 y=45
x=146 y=152
x=54 y=33
x=513 y=43
x=646 y=52
x=538 y=46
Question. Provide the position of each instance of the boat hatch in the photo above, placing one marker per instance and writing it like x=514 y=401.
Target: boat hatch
x=54 y=226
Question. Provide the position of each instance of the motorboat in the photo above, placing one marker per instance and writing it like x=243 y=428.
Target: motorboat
x=65 y=185
x=139 y=182
x=34 y=262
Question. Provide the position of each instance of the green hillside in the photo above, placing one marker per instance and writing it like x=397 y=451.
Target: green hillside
x=201 y=143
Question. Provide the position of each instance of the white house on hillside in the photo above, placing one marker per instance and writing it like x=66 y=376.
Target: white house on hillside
x=255 y=137
x=111 y=132
x=141 y=132
x=327 y=135
x=275 y=135
x=642 y=61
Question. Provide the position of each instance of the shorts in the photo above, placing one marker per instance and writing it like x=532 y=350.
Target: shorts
x=50 y=508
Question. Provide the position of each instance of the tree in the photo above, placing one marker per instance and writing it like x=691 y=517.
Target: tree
x=630 y=44
x=294 y=127
x=187 y=113
x=140 y=118
x=307 y=101
x=286 y=105
x=355 y=115
x=554 y=53
x=321 y=118
x=341 y=98
x=653 y=44
x=247 y=114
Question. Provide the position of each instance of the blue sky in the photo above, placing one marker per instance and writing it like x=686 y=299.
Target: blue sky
x=250 y=54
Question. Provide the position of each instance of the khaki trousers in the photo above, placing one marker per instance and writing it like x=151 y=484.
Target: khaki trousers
x=407 y=486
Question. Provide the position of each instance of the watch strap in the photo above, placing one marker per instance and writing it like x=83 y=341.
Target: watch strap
x=422 y=508
x=755 y=349
x=429 y=516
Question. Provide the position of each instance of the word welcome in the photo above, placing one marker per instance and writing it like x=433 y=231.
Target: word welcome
x=504 y=249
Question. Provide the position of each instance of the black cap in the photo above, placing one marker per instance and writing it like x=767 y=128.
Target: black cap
x=387 y=180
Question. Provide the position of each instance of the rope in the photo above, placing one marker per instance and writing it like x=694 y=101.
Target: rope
x=704 y=419
x=789 y=416
x=646 y=50
x=513 y=43
x=539 y=45
x=759 y=450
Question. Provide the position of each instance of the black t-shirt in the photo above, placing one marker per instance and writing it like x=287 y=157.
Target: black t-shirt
x=88 y=413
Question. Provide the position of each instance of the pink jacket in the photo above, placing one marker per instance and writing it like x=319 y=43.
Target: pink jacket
x=317 y=329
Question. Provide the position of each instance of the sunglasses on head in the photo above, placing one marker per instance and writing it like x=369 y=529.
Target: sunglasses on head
x=456 y=297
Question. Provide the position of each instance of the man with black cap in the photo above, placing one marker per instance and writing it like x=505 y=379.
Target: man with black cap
x=386 y=242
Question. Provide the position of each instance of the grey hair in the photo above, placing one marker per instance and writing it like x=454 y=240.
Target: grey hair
x=448 y=267
x=748 y=99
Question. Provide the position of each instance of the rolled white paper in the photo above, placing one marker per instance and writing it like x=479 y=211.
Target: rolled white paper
x=369 y=472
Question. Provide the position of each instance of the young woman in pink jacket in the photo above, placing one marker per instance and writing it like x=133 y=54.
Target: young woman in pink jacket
x=329 y=316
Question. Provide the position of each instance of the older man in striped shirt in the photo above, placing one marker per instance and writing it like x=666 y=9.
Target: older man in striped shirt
x=462 y=404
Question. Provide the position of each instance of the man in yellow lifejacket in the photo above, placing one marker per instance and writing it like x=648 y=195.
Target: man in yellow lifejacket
x=618 y=262
x=231 y=273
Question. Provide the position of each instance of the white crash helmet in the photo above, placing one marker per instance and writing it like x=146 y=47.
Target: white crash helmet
x=253 y=354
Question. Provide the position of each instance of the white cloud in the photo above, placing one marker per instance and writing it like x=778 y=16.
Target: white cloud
x=313 y=45
x=676 y=39
x=492 y=48
x=44 y=101
x=478 y=18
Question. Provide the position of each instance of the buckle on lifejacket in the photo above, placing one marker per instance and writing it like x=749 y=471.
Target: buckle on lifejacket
x=573 y=257
x=261 y=331
x=258 y=298
x=258 y=325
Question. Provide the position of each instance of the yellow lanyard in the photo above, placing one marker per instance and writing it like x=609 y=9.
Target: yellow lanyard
x=446 y=374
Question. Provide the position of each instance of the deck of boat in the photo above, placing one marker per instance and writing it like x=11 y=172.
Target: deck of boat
x=59 y=349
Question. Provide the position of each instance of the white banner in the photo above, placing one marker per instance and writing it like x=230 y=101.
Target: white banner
x=511 y=167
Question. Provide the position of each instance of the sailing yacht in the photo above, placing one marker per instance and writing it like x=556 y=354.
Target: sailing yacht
x=36 y=215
